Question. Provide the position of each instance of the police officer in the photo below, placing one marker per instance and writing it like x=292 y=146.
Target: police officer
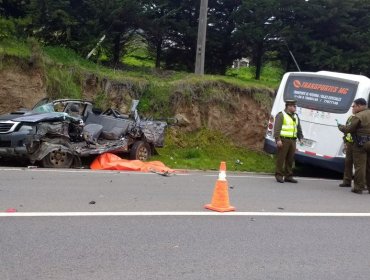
x=360 y=131
x=348 y=163
x=287 y=129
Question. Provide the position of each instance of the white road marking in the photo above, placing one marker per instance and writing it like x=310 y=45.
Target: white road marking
x=269 y=214
x=254 y=176
x=90 y=171
x=181 y=173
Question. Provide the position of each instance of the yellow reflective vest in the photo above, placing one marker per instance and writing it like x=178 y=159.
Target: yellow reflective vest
x=290 y=126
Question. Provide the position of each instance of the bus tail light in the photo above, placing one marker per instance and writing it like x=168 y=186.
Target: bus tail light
x=270 y=126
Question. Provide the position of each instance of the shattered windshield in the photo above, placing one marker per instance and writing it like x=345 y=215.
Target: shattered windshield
x=45 y=108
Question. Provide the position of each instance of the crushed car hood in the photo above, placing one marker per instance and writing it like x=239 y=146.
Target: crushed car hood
x=41 y=117
x=11 y=116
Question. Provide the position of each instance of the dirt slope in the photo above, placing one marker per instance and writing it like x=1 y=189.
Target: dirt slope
x=244 y=122
x=20 y=88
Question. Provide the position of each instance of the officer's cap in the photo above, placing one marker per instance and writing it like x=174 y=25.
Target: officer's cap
x=290 y=102
x=360 y=101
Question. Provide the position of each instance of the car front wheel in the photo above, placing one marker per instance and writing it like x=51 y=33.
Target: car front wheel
x=58 y=158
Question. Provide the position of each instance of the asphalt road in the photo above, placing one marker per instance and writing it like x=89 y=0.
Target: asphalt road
x=146 y=226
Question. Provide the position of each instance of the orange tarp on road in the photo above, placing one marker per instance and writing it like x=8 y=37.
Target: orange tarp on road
x=110 y=161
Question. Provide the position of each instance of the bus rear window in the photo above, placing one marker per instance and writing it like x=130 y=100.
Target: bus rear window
x=321 y=93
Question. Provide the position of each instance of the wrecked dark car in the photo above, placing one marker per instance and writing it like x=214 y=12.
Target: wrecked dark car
x=57 y=134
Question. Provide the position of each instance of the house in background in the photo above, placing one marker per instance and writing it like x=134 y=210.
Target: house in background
x=242 y=62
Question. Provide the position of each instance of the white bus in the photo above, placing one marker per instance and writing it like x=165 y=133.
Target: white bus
x=322 y=98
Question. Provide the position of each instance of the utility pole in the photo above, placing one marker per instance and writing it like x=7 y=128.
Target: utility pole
x=201 y=42
x=291 y=54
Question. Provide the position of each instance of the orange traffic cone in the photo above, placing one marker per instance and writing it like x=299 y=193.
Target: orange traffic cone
x=220 y=200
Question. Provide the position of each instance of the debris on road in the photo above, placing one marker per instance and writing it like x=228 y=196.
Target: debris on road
x=32 y=166
x=164 y=173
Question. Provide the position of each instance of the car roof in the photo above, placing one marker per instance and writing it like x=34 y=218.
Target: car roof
x=71 y=100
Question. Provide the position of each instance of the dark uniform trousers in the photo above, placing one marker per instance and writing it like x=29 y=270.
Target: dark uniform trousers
x=285 y=158
x=348 y=164
x=361 y=161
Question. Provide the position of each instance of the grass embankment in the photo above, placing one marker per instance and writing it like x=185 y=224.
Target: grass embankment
x=205 y=149
x=65 y=72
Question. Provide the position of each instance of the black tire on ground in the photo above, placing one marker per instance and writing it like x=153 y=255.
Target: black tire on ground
x=140 y=150
x=58 y=158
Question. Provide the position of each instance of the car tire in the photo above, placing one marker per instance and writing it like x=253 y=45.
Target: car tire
x=58 y=158
x=140 y=151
